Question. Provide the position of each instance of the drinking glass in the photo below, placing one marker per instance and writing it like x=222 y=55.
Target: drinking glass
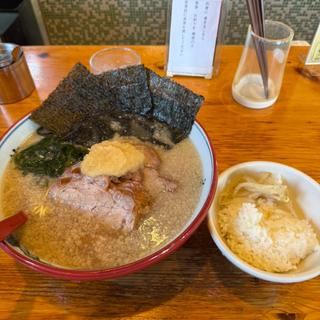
x=113 y=58
x=248 y=87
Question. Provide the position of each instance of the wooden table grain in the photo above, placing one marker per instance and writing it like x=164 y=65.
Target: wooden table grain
x=196 y=282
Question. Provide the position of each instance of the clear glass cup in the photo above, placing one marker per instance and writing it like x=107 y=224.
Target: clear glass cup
x=248 y=85
x=113 y=58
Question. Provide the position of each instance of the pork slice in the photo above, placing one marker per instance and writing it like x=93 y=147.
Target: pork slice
x=152 y=159
x=118 y=205
x=152 y=177
x=151 y=169
x=118 y=201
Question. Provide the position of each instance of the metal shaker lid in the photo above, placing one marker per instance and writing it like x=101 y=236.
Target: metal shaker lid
x=5 y=59
x=9 y=53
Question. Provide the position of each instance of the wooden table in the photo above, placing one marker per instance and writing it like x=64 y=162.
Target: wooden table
x=196 y=282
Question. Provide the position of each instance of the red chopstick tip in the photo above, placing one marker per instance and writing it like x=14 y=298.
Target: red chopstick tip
x=10 y=224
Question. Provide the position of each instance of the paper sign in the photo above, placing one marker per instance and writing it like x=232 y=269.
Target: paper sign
x=314 y=52
x=193 y=36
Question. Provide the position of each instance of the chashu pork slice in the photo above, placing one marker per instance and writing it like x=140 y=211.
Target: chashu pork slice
x=117 y=202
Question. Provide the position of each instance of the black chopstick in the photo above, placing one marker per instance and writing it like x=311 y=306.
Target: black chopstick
x=256 y=15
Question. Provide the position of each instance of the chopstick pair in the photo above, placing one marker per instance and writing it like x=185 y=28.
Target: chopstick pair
x=256 y=15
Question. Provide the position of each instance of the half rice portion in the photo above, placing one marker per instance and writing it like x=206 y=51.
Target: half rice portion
x=261 y=227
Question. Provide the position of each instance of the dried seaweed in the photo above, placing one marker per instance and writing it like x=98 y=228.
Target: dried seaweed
x=129 y=88
x=173 y=104
x=86 y=109
x=76 y=96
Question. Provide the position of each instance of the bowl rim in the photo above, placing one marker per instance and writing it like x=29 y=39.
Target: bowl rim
x=232 y=257
x=115 y=272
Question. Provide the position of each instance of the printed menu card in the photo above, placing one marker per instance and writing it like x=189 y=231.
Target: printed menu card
x=193 y=35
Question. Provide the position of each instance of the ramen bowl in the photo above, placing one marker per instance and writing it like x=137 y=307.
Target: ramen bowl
x=15 y=136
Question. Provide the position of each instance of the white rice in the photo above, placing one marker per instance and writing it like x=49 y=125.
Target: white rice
x=265 y=236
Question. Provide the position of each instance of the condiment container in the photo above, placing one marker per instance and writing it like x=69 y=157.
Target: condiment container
x=16 y=82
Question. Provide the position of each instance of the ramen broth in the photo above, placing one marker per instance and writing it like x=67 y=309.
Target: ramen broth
x=71 y=238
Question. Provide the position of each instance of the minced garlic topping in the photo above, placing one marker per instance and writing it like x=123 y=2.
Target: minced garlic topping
x=112 y=158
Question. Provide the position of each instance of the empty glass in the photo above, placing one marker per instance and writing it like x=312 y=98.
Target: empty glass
x=247 y=87
x=113 y=58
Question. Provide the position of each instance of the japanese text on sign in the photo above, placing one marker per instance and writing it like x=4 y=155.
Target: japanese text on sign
x=193 y=36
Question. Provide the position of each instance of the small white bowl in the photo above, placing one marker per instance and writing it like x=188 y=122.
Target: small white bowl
x=307 y=196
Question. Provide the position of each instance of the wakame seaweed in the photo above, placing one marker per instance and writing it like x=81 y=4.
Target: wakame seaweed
x=48 y=157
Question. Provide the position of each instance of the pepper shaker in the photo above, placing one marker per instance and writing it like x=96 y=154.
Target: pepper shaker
x=16 y=82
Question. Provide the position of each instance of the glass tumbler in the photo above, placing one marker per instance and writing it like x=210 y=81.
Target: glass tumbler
x=113 y=58
x=248 y=84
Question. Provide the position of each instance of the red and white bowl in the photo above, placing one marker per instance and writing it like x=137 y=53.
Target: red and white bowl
x=25 y=127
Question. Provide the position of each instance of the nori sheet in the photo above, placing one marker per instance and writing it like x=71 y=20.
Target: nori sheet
x=77 y=95
x=129 y=88
x=86 y=109
x=173 y=104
